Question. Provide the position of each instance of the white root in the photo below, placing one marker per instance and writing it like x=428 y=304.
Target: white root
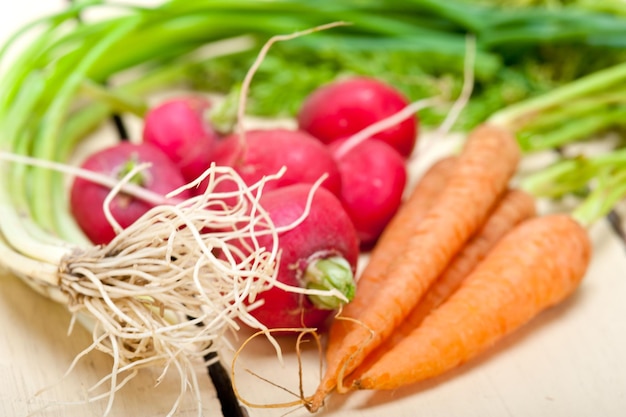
x=466 y=91
x=245 y=85
x=379 y=126
x=167 y=288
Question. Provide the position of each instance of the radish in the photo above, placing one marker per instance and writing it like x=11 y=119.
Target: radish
x=321 y=252
x=345 y=107
x=188 y=129
x=265 y=151
x=87 y=198
x=373 y=176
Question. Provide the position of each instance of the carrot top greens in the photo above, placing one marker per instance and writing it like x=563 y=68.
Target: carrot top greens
x=574 y=113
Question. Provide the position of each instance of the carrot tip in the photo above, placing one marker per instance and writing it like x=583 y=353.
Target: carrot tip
x=317 y=401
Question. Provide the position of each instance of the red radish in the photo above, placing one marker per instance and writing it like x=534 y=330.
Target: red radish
x=183 y=129
x=266 y=151
x=373 y=177
x=345 y=107
x=321 y=252
x=87 y=197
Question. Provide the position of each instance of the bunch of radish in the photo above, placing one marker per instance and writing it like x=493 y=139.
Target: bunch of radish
x=334 y=198
x=373 y=170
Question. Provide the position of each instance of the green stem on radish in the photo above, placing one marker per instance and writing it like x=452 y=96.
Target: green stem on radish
x=138 y=178
x=223 y=116
x=328 y=274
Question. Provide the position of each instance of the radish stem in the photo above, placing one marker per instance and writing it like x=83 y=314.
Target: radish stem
x=326 y=274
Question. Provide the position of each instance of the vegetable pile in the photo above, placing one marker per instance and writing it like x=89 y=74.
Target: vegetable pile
x=515 y=280
x=162 y=244
x=362 y=180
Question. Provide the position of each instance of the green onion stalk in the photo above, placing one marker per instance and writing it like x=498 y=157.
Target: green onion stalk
x=73 y=74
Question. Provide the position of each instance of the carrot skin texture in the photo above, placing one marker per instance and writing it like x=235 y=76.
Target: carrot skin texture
x=515 y=207
x=396 y=235
x=421 y=198
x=539 y=264
x=485 y=166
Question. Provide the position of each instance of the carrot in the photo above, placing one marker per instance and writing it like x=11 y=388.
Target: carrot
x=399 y=230
x=487 y=162
x=396 y=234
x=516 y=206
x=535 y=266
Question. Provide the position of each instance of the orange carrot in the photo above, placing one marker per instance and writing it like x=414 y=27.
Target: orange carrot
x=485 y=166
x=396 y=234
x=515 y=207
x=535 y=266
